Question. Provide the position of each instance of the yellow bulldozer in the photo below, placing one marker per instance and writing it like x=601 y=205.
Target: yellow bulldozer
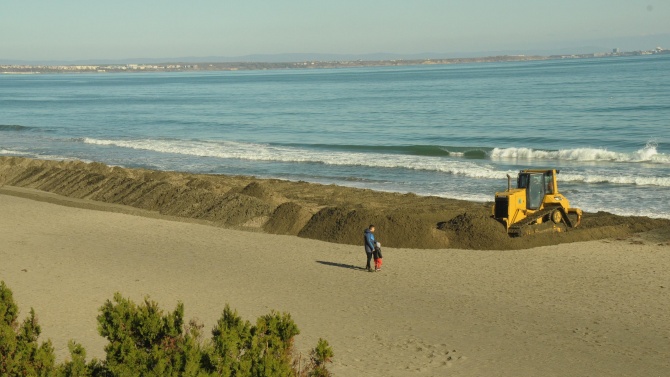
x=535 y=205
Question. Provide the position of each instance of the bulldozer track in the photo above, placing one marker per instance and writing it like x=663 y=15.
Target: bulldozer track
x=518 y=229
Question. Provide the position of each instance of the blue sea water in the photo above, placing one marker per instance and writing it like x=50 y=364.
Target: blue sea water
x=449 y=130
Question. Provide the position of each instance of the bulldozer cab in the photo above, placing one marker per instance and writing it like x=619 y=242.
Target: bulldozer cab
x=535 y=186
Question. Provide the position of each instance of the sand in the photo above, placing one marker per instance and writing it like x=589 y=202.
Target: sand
x=596 y=308
x=323 y=212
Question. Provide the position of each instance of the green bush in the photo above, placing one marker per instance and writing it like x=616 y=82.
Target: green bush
x=20 y=354
x=320 y=356
x=144 y=341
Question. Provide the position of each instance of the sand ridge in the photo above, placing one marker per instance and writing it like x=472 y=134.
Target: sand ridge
x=324 y=212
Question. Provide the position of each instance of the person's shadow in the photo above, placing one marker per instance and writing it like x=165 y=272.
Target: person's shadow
x=341 y=265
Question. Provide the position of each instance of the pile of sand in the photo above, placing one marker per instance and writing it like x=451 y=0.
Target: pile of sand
x=325 y=212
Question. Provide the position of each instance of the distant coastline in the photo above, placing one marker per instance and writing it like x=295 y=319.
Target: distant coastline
x=316 y=64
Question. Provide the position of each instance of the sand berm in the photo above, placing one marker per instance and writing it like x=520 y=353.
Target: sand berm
x=325 y=212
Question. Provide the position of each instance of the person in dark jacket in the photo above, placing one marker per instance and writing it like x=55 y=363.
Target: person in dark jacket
x=369 y=239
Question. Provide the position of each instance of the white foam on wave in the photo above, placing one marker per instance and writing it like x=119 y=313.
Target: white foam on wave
x=41 y=156
x=647 y=154
x=264 y=152
x=7 y=151
x=617 y=179
x=626 y=211
x=479 y=198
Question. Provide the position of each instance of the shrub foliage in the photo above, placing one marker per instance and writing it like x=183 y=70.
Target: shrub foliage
x=145 y=341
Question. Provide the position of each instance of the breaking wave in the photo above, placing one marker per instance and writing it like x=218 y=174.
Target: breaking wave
x=414 y=150
x=617 y=179
x=379 y=158
x=647 y=154
x=10 y=152
x=265 y=152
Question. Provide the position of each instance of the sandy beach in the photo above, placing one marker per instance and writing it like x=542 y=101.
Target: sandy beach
x=597 y=308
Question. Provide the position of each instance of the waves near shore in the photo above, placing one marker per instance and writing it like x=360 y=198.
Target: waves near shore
x=425 y=158
x=325 y=212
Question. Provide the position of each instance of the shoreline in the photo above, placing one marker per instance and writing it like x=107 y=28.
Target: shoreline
x=204 y=66
x=596 y=308
x=328 y=213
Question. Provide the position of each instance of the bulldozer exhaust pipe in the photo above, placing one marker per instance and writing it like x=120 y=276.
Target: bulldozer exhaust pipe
x=509 y=182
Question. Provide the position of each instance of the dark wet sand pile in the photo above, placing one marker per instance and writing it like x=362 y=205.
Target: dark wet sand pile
x=324 y=212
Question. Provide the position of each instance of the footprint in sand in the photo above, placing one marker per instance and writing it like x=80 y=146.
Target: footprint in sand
x=426 y=355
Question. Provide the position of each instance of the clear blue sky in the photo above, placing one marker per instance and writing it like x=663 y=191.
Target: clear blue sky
x=78 y=29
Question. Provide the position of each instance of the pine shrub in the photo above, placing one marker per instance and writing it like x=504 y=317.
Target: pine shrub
x=145 y=341
x=20 y=353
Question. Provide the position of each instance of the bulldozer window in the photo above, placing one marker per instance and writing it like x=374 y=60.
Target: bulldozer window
x=535 y=190
x=522 y=181
x=550 y=186
x=550 y=183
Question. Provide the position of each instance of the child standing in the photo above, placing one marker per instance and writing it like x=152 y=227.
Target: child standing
x=377 y=253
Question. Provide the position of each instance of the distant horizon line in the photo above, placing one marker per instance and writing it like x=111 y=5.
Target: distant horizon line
x=309 y=64
x=301 y=57
x=630 y=43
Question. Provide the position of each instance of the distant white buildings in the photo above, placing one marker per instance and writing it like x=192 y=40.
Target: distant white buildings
x=95 y=68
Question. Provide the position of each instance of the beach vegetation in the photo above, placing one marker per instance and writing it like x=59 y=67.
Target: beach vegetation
x=20 y=352
x=321 y=355
x=143 y=340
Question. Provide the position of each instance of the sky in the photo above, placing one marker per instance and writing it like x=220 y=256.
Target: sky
x=121 y=29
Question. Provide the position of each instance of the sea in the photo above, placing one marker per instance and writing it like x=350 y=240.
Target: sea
x=454 y=131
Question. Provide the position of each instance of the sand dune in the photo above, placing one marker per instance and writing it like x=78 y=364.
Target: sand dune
x=324 y=212
x=598 y=308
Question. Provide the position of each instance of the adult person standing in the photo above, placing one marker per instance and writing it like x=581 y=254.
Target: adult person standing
x=369 y=239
